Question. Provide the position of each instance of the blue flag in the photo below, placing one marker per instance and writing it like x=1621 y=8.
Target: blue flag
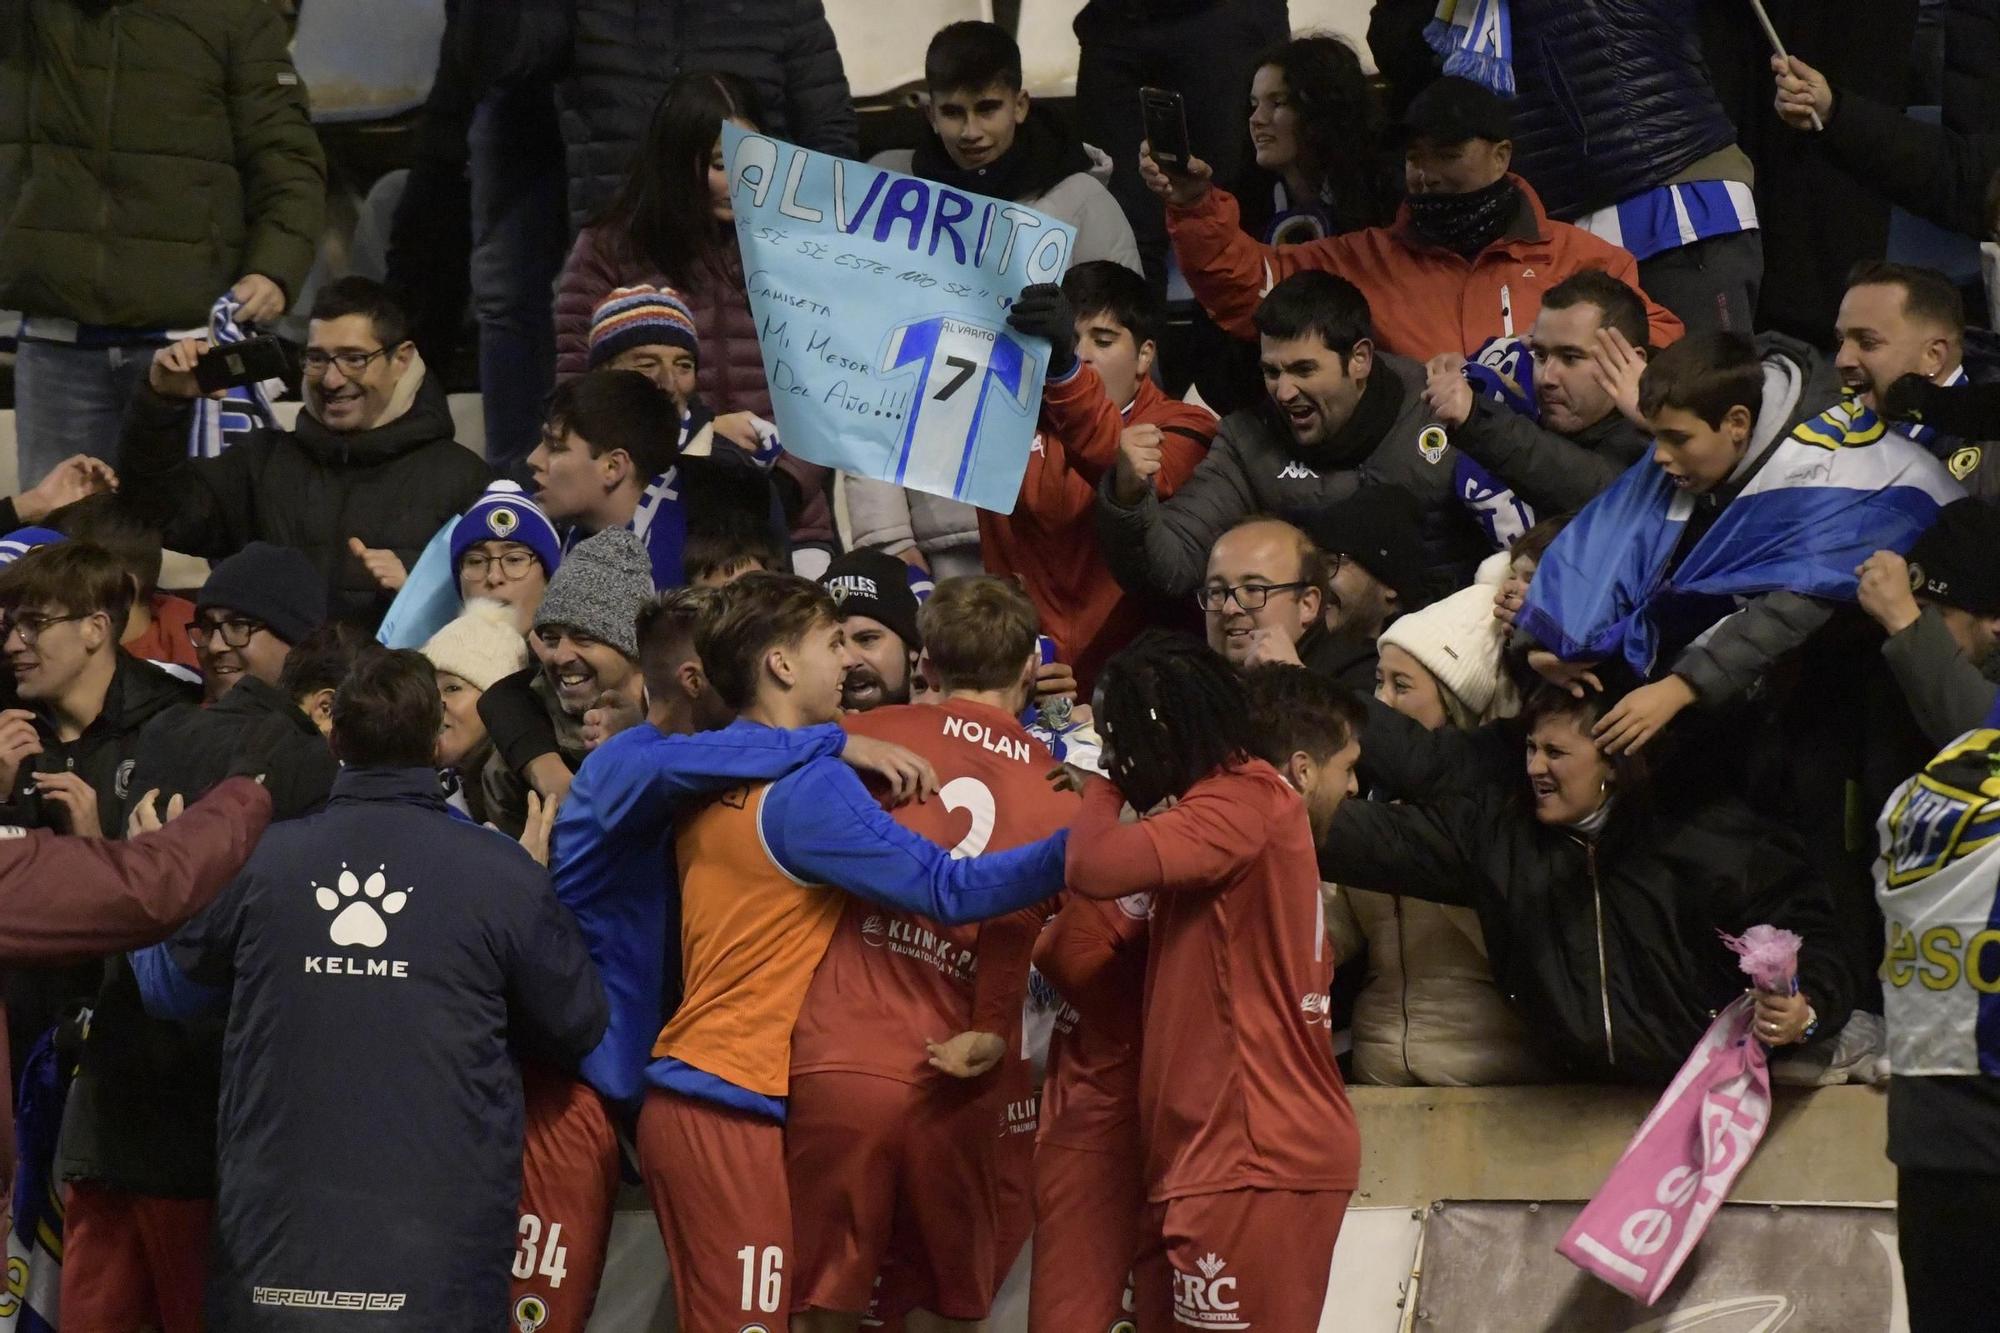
x=429 y=599
x=1836 y=490
x=881 y=306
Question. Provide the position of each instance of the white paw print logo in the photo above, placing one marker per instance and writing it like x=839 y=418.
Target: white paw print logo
x=360 y=921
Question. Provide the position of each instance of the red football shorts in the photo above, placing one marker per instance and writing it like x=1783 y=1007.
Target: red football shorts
x=132 y=1261
x=1089 y=1208
x=717 y=1180
x=569 y=1180
x=879 y=1168
x=1241 y=1260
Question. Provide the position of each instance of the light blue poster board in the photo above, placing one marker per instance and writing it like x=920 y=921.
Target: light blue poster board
x=881 y=306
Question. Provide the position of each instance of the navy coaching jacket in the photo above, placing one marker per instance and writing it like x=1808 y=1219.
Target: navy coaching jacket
x=380 y=957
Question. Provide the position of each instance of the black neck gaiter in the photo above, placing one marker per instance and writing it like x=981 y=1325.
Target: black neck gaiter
x=1465 y=223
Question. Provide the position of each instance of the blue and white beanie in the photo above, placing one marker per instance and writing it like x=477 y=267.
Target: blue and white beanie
x=23 y=540
x=506 y=513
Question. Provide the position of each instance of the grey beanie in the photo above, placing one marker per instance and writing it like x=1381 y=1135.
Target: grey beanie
x=600 y=589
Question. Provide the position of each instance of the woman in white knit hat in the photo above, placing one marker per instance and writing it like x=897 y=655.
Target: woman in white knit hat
x=472 y=652
x=1429 y=1012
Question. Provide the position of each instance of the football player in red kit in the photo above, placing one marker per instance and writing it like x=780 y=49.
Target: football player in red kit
x=1251 y=1148
x=1090 y=1172
x=897 y=1085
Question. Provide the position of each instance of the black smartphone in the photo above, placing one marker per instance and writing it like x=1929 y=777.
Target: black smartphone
x=1166 y=128
x=248 y=362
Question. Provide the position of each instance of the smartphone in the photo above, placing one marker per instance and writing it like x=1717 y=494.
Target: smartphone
x=1165 y=115
x=248 y=362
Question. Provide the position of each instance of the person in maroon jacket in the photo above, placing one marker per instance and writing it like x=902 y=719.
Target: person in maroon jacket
x=1250 y=1146
x=117 y=895
x=122 y=895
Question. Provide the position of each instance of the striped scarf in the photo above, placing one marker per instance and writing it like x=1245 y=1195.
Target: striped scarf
x=1476 y=39
x=220 y=423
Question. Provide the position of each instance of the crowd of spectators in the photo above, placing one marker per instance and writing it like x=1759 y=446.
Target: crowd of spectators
x=1463 y=571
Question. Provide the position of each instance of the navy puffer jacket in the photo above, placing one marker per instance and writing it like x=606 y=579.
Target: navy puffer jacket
x=1612 y=98
x=625 y=52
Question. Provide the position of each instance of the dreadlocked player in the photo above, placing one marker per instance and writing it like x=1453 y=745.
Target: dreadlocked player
x=1250 y=1163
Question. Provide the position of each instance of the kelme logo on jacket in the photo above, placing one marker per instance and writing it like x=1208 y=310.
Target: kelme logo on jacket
x=360 y=921
x=360 y=910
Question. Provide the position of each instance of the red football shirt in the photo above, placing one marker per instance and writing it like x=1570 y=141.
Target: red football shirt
x=891 y=981
x=1237 y=1084
x=1094 y=954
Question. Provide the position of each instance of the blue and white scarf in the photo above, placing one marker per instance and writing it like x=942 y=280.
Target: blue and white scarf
x=1836 y=490
x=1476 y=39
x=220 y=423
x=30 y=1293
x=1503 y=373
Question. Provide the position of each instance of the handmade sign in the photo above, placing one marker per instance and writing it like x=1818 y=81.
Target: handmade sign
x=881 y=307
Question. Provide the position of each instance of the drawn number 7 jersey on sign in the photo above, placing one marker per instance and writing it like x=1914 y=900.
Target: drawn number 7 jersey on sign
x=959 y=367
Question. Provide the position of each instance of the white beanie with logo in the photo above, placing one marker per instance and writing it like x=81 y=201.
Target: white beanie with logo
x=1459 y=642
x=481 y=646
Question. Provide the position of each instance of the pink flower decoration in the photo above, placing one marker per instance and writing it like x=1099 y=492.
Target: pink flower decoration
x=1769 y=955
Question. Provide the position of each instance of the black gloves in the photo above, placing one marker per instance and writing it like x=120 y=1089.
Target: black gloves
x=1042 y=311
x=1970 y=411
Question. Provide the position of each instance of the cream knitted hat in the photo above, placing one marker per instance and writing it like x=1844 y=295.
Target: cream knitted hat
x=1459 y=642
x=481 y=646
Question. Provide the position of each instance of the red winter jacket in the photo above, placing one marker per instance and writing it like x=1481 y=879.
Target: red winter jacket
x=1423 y=299
x=730 y=376
x=1050 y=540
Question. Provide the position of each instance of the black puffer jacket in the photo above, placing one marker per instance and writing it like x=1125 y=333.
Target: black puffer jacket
x=1612 y=98
x=623 y=53
x=1608 y=945
x=102 y=756
x=142 y=1111
x=1972 y=65
x=309 y=488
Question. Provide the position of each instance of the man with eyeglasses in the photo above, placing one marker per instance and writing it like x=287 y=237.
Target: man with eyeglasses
x=66 y=749
x=360 y=484
x=1262 y=595
x=1274 y=594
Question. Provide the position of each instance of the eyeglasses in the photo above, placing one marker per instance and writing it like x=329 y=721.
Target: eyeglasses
x=236 y=631
x=350 y=363
x=513 y=564
x=1249 y=596
x=29 y=625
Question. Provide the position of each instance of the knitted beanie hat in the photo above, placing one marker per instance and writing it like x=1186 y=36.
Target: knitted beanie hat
x=640 y=317
x=873 y=583
x=275 y=584
x=481 y=646
x=600 y=590
x=506 y=513
x=1458 y=641
x=23 y=540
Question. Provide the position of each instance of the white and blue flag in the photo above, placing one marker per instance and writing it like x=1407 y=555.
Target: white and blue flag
x=1836 y=490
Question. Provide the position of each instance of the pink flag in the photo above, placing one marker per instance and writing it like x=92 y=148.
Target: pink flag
x=1662 y=1194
